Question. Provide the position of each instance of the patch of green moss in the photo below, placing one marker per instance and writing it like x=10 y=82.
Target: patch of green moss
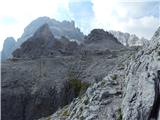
x=66 y=113
x=114 y=77
x=119 y=114
x=78 y=86
x=49 y=118
x=103 y=83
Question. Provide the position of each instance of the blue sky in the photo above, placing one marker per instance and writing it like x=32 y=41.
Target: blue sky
x=140 y=17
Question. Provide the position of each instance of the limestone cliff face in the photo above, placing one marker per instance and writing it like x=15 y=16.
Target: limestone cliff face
x=130 y=91
x=142 y=81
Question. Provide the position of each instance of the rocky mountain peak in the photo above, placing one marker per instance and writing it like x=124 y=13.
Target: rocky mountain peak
x=99 y=35
x=44 y=32
x=58 y=29
x=100 y=39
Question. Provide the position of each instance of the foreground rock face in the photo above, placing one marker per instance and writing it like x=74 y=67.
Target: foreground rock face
x=129 y=94
x=142 y=74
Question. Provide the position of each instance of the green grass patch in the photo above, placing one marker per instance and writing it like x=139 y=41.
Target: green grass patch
x=114 y=77
x=78 y=86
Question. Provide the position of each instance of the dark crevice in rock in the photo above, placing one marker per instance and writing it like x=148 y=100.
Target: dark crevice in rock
x=156 y=105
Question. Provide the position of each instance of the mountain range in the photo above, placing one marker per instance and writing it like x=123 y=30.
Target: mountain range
x=59 y=29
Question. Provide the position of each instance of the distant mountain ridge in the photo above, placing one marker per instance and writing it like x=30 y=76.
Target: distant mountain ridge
x=44 y=44
x=69 y=31
x=129 y=39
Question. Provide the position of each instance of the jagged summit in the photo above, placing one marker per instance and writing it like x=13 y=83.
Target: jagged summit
x=37 y=45
x=8 y=47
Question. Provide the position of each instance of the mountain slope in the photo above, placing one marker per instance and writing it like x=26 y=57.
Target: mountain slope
x=125 y=94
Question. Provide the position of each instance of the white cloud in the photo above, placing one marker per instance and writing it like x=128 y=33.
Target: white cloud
x=143 y=27
x=117 y=15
